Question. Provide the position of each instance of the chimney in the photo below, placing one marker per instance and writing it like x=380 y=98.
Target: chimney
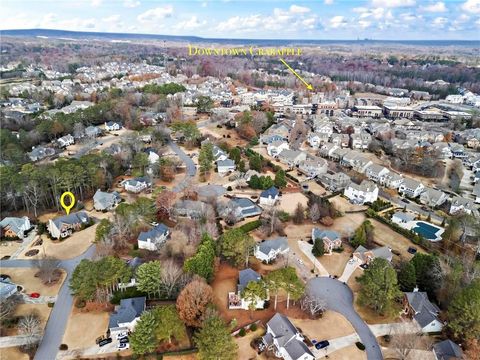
x=415 y=289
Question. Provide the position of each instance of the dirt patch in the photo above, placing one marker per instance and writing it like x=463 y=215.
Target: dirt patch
x=26 y=278
x=42 y=310
x=245 y=351
x=7 y=248
x=344 y=205
x=75 y=335
x=225 y=281
x=331 y=325
x=289 y=201
x=12 y=353
x=349 y=352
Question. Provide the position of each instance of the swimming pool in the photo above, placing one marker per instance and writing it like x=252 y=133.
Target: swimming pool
x=428 y=231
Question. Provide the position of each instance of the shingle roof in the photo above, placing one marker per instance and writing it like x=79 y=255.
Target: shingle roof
x=425 y=311
x=245 y=276
x=74 y=218
x=128 y=310
x=271 y=192
x=14 y=223
x=447 y=349
x=323 y=233
x=153 y=233
x=280 y=243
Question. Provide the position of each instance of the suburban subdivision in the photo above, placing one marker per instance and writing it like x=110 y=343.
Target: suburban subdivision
x=158 y=203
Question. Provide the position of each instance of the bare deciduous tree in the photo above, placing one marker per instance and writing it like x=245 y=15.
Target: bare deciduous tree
x=29 y=326
x=313 y=305
x=173 y=278
x=48 y=269
x=7 y=307
x=407 y=340
x=270 y=222
x=314 y=212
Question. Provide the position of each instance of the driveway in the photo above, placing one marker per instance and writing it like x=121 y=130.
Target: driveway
x=350 y=268
x=339 y=298
x=306 y=248
x=190 y=166
x=57 y=322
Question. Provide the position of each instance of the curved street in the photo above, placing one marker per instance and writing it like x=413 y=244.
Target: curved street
x=339 y=298
x=191 y=169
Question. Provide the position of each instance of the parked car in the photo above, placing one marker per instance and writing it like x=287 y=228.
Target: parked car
x=105 y=342
x=122 y=335
x=406 y=201
x=412 y=250
x=321 y=344
x=123 y=346
x=123 y=340
x=35 y=295
x=364 y=266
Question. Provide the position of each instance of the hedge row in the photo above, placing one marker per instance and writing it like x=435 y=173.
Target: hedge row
x=250 y=226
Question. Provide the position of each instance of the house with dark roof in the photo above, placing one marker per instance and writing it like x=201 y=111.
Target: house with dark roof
x=40 y=152
x=365 y=256
x=331 y=239
x=190 y=208
x=285 y=340
x=418 y=307
x=7 y=288
x=63 y=226
x=154 y=238
x=105 y=201
x=447 y=350
x=245 y=207
x=126 y=315
x=236 y=300
x=269 y=250
x=269 y=197
x=15 y=227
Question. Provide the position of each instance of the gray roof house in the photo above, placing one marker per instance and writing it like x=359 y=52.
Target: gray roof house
x=106 y=201
x=447 y=350
x=268 y=250
x=285 y=340
x=269 y=197
x=190 y=208
x=15 y=227
x=152 y=239
x=246 y=207
x=126 y=314
x=92 y=131
x=226 y=165
x=292 y=157
x=433 y=197
x=245 y=276
x=40 y=153
x=64 y=226
x=7 y=288
x=235 y=299
x=365 y=256
x=417 y=306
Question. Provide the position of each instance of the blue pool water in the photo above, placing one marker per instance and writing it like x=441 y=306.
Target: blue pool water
x=428 y=231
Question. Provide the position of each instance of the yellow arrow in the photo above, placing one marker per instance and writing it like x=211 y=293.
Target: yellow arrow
x=309 y=86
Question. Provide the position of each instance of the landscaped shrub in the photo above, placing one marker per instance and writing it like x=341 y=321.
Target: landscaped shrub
x=50 y=304
x=253 y=327
x=242 y=332
x=252 y=225
x=80 y=303
x=360 y=345
x=130 y=292
x=63 y=347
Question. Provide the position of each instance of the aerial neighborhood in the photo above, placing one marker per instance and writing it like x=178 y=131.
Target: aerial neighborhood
x=225 y=211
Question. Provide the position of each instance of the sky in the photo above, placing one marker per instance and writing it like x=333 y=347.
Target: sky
x=314 y=19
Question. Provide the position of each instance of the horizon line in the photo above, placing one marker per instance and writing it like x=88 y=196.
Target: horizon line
x=233 y=38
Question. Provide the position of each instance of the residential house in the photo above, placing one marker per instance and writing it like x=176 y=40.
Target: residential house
x=63 y=226
x=276 y=147
x=313 y=166
x=433 y=197
x=418 y=307
x=375 y=172
x=236 y=300
x=153 y=157
x=335 y=182
x=93 y=131
x=225 y=166
x=275 y=133
x=458 y=151
x=443 y=150
x=461 y=205
x=447 y=350
x=245 y=207
x=360 y=140
x=391 y=180
x=366 y=192
x=136 y=185
x=341 y=140
x=126 y=315
x=106 y=201
x=285 y=340
x=15 y=227
x=190 y=208
x=40 y=152
x=65 y=141
x=112 y=126
x=365 y=256
x=401 y=218
x=292 y=157
x=269 y=250
x=331 y=239
x=411 y=188
x=152 y=239
x=218 y=153
x=355 y=160
x=269 y=197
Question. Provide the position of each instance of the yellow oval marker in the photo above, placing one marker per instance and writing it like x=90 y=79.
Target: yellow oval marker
x=72 y=201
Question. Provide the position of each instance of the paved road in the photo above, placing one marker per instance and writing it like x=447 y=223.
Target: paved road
x=339 y=298
x=190 y=165
x=57 y=322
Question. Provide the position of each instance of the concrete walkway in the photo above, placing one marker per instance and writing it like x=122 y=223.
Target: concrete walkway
x=17 y=340
x=32 y=236
x=306 y=248
x=350 y=268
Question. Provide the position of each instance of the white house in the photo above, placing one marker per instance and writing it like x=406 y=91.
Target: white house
x=126 y=315
x=112 y=126
x=391 y=180
x=402 y=218
x=313 y=166
x=425 y=313
x=15 y=227
x=276 y=147
x=152 y=239
x=66 y=140
x=375 y=172
x=236 y=300
x=433 y=197
x=153 y=157
x=411 y=188
x=366 y=192
x=225 y=166
x=462 y=205
x=135 y=185
x=285 y=340
x=269 y=197
x=268 y=250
